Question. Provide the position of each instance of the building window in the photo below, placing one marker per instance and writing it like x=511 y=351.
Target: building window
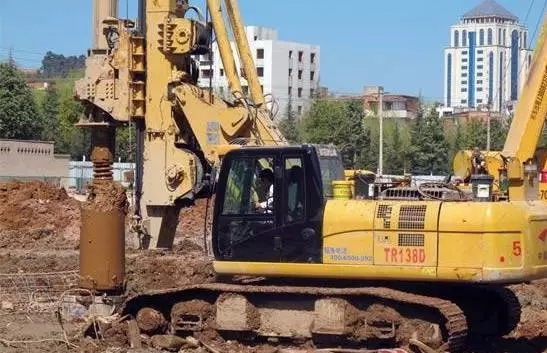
x=206 y=73
x=290 y=91
x=490 y=77
x=480 y=59
x=464 y=38
x=221 y=72
x=299 y=109
x=524 y=45
x=260 y=53
x=300 y=56
x=464 y=82
x=479 y=89
x=312 y=93
x=479 y=74
x=464 y=60
x=504 y=37
x=312 y=58
x=464 y=74
x=480 y=51
x=463 y=101
x=481 y=37
x=479 y=82
x=464 y=67
x=489 y=37
x=290 y=54
x=312 y=75
x=464 y=52
x=299 y=92
x=499 y=36
x=299 y=74
x=290 y=72
x=514 y=64
x=456 y=38
x=260 y=71
x=479 y=101
x=448 y=80
x=479 y=67
x=464 y=89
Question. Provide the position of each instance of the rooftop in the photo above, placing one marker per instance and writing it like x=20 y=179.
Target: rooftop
x=489 y=8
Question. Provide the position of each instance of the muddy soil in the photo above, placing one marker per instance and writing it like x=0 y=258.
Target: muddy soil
x=39 y=230
x=37 y=215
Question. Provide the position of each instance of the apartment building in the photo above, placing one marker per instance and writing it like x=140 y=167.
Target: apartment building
x=487 y=60
x=288 y=71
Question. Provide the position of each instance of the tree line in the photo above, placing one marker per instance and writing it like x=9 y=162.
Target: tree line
x=49 y=114
x=424 y=145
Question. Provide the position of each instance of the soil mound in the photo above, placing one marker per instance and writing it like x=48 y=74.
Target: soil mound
x=37 y=215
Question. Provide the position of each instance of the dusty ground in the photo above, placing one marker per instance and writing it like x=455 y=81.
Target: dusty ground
x=39 y=230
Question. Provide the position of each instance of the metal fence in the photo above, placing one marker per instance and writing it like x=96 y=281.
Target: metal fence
x=79 y=175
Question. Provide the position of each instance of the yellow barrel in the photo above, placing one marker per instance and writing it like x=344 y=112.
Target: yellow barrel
x=341 y=189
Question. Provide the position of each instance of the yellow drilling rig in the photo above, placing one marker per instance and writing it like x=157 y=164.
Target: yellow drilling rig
x=427 y=263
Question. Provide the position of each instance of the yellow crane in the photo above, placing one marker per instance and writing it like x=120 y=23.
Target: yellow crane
x=148 y=76
x=423 y=263
x=520 y=160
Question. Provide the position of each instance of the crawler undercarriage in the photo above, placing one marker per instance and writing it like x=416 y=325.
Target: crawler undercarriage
x=366 y=316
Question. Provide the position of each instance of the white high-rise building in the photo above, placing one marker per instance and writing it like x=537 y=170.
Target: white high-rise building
x=287 y=71
x=488 y=59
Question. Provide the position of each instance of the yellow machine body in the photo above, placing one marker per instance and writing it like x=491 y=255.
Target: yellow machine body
x=425 y=241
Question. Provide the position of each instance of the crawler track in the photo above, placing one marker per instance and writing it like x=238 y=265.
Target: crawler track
x=450 y=318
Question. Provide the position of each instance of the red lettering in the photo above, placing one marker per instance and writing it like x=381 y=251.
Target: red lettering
x=422 y=256
x=517 y=250
x=405 y=255
x=393 y=255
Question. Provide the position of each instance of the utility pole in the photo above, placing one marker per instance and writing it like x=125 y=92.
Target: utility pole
x=381 y=119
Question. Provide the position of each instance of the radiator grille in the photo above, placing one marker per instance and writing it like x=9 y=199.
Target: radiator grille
x=406 y=239
x=412 y=217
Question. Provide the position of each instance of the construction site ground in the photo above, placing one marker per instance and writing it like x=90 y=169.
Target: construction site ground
x=39 y=235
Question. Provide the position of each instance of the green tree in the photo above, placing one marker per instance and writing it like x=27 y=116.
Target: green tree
x=50 y=114
x=71 y=140
x=59 y=66
x=498 y=134
x=475 y=135
x=429 y=149
x=394 y=151
x=289 y=125
x=125 y=144
x=339 y=123
x=19 y=117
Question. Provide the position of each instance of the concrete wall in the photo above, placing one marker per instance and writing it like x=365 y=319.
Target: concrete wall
x=31 y=159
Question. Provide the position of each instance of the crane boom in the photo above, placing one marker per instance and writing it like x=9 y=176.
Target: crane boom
x=531 y=109
x=516 y=167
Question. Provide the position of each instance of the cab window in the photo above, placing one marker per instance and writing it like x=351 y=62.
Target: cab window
x=294 y=190
x=247 y=189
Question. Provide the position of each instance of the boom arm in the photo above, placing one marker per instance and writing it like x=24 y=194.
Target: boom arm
x=150 y=77
x=527 y=125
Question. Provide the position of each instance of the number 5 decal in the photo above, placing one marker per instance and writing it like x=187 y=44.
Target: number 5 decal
x=517 y=250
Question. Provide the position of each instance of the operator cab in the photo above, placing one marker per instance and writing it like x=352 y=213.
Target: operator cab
x=251 y=224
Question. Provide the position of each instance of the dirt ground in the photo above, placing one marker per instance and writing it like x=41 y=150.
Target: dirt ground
x=39 y=231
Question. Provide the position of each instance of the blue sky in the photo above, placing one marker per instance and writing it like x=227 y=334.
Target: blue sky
x=396 y=43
